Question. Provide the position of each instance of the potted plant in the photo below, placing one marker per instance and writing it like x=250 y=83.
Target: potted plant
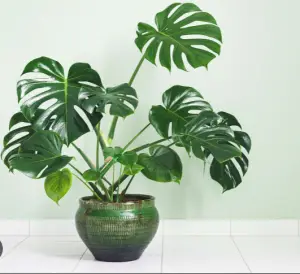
x=58 y=108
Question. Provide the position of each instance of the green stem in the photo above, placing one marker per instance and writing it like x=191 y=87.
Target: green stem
x=87 y=160
x=97 y=145
x=101 y=184
x=137 y=149
x=76 y=169
x=173 y=143
x=136 y=136
x=105 y=169
x=119 y=182
x=97 y=196
x=115 y=119
x=126 y=188
x=108 y=182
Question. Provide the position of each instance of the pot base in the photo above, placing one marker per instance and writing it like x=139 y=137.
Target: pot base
x=117 y=255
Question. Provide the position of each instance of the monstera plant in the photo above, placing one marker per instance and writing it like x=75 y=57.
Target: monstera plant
x=58 y=108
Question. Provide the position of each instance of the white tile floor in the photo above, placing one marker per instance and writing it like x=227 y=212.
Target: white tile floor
x=168 y=254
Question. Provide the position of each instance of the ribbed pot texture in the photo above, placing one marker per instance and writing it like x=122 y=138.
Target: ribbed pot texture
x=117 y=232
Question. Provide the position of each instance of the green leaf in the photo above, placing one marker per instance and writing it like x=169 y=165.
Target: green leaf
x=13 y=140
x=40 y=155
x=229 y=119
x=132 y=169
x=129 y=158
x=178 y=29
x=229 y=174
x=58 y=184
x=122 y=100
x=180 y=105
x=50 y=83
x=91 y=175
x=162 y=165
x=113 y=152
x=217 y=139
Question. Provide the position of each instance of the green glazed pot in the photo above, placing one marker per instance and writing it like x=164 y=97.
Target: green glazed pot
x=117 y=232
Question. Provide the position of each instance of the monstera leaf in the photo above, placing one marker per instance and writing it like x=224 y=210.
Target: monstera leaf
x=178 y=29
x=229 y=174
x=51 y=84
x=40 y=155
x=117 y=97
x=219 y=140
x=162 y=165
x=17 y=135
x=180 y=105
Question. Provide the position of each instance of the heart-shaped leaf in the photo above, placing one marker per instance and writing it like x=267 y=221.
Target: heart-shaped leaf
x=40 y=155
x=132 y=169
x=58 y=184
x=91 y=175
x=50 y=83
x=128 y=158
x=162 y=165
x=122 y=100
x=178 y=29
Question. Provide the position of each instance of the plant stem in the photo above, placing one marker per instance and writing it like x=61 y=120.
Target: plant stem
x=113 y=179
x=101 y=184
x=136 y=136
x=104 y=179
x=87 y=186
x=115 y=119
x=137 y=149
x=97 y=145
x=128 y=185
x=76 y=169
x=100 y=140
x=119 y=182
x=173 y=143
x=87 y=160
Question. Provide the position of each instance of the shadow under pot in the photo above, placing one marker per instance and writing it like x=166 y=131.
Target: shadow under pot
x=117 y=232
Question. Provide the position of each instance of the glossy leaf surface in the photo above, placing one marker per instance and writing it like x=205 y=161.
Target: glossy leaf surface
x=122 y=100
x=162 y=164
x=181 y=30
x=40 y=155
x=49 y=95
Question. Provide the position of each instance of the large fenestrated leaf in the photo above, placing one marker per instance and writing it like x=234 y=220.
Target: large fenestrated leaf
x=162 y=165
x=178 y=29
x=40 y=155
x=204 y=131
x=50 y=82
x=230 y=173
x=20 y=130
x=122 y=100
x=180 y=105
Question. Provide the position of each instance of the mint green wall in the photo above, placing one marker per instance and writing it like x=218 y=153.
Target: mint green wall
x=256 y=78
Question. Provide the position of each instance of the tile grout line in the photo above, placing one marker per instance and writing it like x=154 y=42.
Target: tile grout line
x=162 y=247
x=77 y=264
x=18 y=244
x=235 y=244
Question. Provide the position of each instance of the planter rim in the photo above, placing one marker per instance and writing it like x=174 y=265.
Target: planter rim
x=139 y=200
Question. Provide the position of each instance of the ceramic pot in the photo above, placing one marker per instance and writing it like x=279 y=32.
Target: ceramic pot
x=117 y=232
